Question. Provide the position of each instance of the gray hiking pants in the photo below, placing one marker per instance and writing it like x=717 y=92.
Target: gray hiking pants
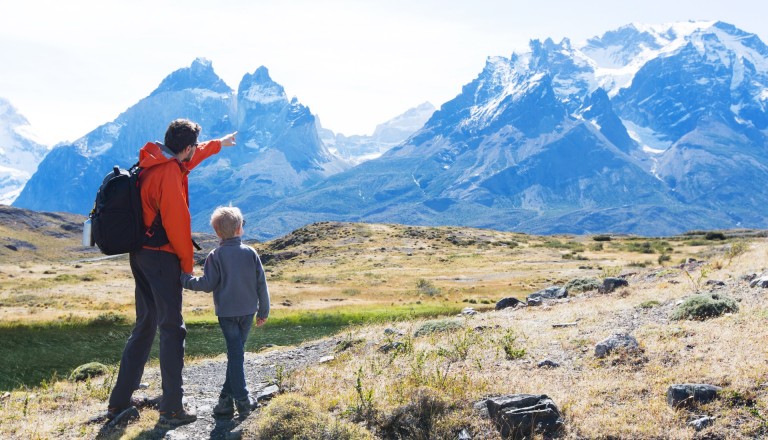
x=158 y=306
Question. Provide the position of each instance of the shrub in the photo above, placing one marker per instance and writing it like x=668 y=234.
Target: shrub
x=649 y=304
x=91 y=369
x=703 y=306
x=441 y=325
x=109 y=318
x=583 y=284
x=510 y=346
x=423 y=417
x=714 y=236
x=291 y=416
x=737 y=248
x=426 y=287
x=602 y=238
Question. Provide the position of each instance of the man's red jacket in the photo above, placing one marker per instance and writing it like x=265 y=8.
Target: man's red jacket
x=165 y=189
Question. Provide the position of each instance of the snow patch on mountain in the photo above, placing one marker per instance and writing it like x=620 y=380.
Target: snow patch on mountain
x=264 y=94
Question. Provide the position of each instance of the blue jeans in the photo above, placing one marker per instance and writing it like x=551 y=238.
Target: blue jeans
x=235 y=329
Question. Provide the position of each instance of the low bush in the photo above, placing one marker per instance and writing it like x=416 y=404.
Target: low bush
x=292 y=416
x=423 y=417
x=582 y=285
x=85 y=371
x=704 y=306
x=714 y=236
x=109 y=318
x=427 y=288
x=440 y=325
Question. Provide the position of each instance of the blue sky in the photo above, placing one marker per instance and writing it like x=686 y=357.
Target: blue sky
x=69 y=66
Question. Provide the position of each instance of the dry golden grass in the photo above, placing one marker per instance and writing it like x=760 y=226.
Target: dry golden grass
x=334 y=265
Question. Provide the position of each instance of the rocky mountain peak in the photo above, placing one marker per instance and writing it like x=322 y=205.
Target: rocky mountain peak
x=199 y=75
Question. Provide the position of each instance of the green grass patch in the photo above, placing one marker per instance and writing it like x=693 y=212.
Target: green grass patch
x=649 y=304
x=33 y=353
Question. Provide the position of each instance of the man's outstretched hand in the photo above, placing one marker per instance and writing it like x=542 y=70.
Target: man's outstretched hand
x=228 y=140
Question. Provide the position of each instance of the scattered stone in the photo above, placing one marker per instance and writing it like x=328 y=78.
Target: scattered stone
x=546 y=363
x=565 y=324
x=518 y=415
x=610 y=284
x=386 y=348
x=714 y=283
x=325 y=359
x=236 y=434
x=11 y=247
x=683 y=395
x=553 y=292
x=5 y=395
x=464 y=435
x=615 y=341
x=267 y=393
x=392 y=331
x=702 y=423
x=761 y=282
x=85 y=371
x=533 y=302
x=468 y=311
x=507 y=302
x=132 y=413
x=748 y=277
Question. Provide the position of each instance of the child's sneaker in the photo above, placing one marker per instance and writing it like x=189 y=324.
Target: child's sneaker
x=177 y=418
x=225 y=407
x=245 y=405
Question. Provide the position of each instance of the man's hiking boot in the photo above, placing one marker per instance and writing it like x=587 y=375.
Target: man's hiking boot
x=136 y=402
x=177 y=418
x=225 y=407
x=246 y=405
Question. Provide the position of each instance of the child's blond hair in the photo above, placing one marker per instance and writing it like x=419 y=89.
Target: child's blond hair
x=226 y=220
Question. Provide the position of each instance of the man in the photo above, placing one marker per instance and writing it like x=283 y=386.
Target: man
x=157 y=266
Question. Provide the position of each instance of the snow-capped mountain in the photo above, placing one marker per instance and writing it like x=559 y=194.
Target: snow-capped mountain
x=651 y=130
x=279 y=148
x=646 y=129
x=20 y=153
x=359 y=148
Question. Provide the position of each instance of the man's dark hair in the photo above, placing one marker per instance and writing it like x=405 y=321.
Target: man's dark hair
x=181 y=133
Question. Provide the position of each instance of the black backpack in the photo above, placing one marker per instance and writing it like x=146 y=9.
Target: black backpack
x=117 y=225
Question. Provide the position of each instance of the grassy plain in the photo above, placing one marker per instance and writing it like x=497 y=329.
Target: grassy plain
x=391 y=276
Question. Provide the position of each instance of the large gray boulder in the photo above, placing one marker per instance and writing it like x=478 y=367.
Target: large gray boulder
x=507 y=302
x=689 y=394
x=554 y=292
x=611 y=283
x=616 y=341
x=519 y=416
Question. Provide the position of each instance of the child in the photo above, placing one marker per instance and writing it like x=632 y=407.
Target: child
x=234 y=273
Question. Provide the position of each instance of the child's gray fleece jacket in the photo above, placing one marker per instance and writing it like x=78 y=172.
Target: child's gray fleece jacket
x=233 y=272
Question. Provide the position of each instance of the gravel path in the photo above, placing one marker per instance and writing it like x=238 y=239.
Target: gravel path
x=203 y=380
